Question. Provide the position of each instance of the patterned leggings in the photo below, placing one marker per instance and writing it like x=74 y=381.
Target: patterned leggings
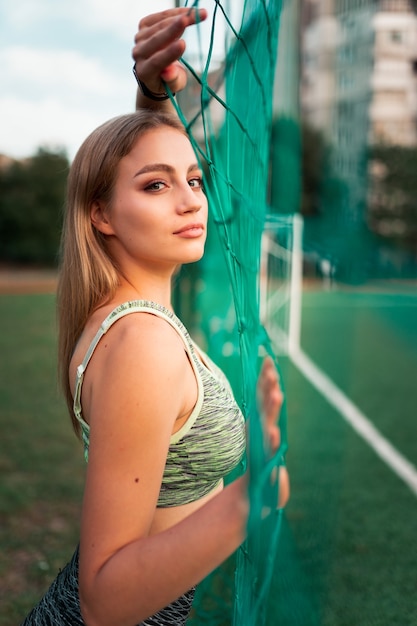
x=60 y=606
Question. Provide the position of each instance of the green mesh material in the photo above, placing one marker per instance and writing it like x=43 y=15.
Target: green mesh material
x=253 y=158
x=228 y=113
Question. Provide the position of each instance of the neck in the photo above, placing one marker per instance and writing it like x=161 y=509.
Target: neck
x=145 y=287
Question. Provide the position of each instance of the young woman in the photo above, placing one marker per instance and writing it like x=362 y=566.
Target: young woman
x=159 y=422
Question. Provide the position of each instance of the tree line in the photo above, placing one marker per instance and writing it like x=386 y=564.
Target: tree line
x=32 y=195
x=390 y=211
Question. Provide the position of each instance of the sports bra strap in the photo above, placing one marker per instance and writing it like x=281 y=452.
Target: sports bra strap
x=132 y=306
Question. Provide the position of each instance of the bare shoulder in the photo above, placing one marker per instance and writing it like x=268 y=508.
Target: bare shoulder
x=142 y=335
x=141 y=360
x=137 y=334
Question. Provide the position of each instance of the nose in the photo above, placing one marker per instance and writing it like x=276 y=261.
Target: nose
x=189 y=200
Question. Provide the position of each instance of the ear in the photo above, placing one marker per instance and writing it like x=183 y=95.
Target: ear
x=99 y=218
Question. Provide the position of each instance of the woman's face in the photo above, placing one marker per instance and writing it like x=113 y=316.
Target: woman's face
x=158 y=212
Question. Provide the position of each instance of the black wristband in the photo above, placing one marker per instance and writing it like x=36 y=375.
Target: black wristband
x=158 y=97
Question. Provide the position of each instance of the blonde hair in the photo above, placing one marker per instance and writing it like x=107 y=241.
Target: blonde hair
x=88 y=274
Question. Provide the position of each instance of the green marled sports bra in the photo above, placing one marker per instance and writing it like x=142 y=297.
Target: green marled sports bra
x=212 y=441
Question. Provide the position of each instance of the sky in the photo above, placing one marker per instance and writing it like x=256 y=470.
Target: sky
x=65 y=67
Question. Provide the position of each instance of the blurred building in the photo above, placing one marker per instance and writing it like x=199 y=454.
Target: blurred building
x=359 y=83
x=360 y=63
x=358 y=86
x=393 y=112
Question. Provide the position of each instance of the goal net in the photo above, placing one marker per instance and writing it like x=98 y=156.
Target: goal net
x=227 y=110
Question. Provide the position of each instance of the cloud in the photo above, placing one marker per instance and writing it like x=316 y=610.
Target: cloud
x=58 y=71
x=47 y=123
x=121 y=17
x=56 y=98
x=65 y=69
x=118 y=17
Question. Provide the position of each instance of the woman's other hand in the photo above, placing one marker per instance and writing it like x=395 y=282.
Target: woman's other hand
x=271 y=399
x=159 y=46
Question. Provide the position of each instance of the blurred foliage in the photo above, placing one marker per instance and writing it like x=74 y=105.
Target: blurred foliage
x=392 y=207
x=285 y=174
x=314 y=157
x=31 y=201
x=299 y=156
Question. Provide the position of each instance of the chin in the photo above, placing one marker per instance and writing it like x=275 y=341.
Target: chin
x=194 y=255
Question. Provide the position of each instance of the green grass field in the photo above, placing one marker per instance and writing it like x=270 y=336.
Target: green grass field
x=348 y=552
x=347 y=555
x=40 y=459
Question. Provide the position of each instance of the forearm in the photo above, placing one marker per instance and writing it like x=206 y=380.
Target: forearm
x=148 y=574
x=142 y=102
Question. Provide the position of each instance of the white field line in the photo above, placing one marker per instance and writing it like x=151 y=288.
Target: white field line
x=359 y=422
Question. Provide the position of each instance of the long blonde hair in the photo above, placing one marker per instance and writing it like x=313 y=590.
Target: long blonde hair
x=88 y=275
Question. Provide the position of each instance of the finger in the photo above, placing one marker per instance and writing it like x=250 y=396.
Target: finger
x=263 y=376
x=269 y=374
x=173 y=75
x=271 y=428
x=284 y=487
x=273 y=434
x=270 y=391
x=173 y=72
x=150 y=40
x=158 y=59
x=159 y=34
x=193 y=15
x=163 y=66
x=157 y=50
x=279 y=475
x=273 y=404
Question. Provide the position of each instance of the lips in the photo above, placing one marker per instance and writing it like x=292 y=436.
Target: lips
x=190 y=229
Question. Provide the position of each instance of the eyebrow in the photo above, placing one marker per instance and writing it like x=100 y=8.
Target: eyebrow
x=163 y=167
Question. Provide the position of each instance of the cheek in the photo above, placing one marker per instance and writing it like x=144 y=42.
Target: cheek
x=133 y=217
x=144 y=230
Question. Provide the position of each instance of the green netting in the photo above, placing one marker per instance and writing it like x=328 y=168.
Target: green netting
x=228 y=113
x=261 y=160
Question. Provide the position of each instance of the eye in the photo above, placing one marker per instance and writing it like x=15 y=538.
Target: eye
x=156 y=185
x=196 y=182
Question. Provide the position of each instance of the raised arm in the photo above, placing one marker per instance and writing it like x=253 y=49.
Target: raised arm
x=158 y=47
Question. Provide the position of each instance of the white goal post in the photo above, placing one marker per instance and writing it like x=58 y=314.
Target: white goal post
x=281 y=281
